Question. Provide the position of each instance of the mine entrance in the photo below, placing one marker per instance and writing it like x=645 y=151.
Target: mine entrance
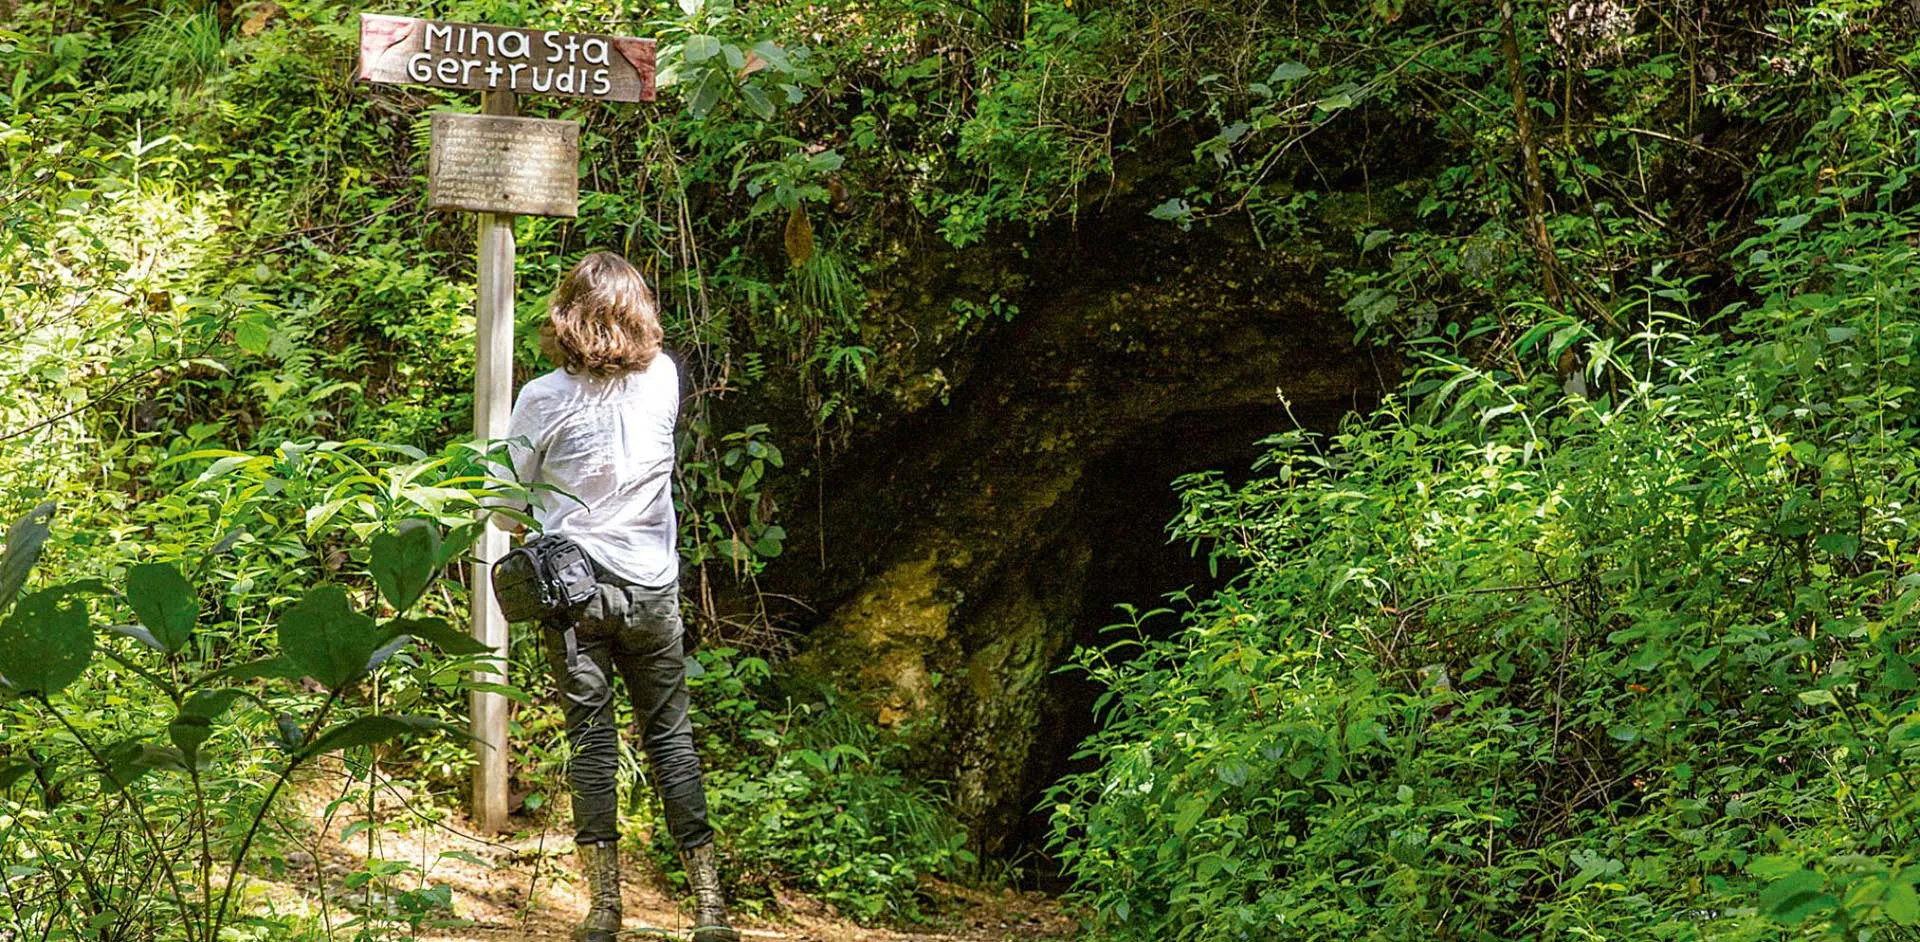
x=1128 y=500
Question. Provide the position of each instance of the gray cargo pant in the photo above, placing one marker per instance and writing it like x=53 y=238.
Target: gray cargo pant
x=638 y=631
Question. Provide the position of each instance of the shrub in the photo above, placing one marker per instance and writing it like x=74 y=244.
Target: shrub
x=1623 y=650
x=129 y=828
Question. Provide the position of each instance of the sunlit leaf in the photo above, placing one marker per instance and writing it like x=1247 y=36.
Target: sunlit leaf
x=1901 y=904
x=403 y=562
x=700 y=48
x=1336 y=102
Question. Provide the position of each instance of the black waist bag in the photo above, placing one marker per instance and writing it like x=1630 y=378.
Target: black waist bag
x=543 y=579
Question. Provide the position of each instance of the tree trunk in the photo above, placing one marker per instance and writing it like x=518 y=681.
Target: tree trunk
x=1536 y=191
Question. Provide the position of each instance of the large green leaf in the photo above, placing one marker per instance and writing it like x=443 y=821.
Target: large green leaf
x=404 y=561
x=195 y=721
x=370 y=730
x=129 y=759
x=437 y=632
x=1287 y=72
x=457 y=540
x=24 y=540
x=700 y=47
x=757 y=101
x=46 y=643
x=1794 y=897
x=1899 y=674
x=707 y=92
x=165 y=602
x=11 y=773
x=1900 y=903
x=326 y=639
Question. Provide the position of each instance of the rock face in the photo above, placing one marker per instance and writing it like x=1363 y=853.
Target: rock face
x=959 y=544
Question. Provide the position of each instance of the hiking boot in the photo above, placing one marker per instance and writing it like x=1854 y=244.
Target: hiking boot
x=601 y=861
x=709 y=906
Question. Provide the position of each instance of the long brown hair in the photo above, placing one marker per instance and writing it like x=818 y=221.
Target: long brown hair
x=601 y=319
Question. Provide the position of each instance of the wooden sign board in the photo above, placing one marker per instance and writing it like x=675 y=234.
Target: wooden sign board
x=404 y=50
x=488 y=164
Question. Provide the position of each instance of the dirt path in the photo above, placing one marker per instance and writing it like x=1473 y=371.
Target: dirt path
x=528 y=887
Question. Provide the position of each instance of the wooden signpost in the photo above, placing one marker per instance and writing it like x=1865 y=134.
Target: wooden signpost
x=500 y=165
x=407 y=51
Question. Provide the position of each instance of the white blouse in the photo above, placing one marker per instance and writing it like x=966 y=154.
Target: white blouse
x=606 y=446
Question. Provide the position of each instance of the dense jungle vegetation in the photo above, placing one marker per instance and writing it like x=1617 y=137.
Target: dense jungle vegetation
x=1602 y=625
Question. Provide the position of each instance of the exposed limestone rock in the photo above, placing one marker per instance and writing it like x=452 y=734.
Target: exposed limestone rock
x=958 y=542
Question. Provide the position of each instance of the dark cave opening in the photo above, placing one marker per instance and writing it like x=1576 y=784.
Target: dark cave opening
x=978 y=537
x=1128 y=500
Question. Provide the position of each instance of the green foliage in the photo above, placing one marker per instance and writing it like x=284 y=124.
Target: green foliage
x=699 y=58
x=164 y=602
x=186 y=714
x=1596 y=629
x=237 y=236
x=25 y=539
x=47 y=642
x=189 y=816
x=733 y=519
x=404 y=562
x=179 y=45
x=813 y=794
x=1602 y=627
x=222 y=289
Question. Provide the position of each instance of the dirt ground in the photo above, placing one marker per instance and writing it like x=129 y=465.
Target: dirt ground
x=528 y=886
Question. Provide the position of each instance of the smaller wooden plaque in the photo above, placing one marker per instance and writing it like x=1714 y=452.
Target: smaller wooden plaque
x=489 y=164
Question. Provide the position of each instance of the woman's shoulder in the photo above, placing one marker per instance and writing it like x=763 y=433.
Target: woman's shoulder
x=660 y=370
x=547 y=386
x=665 y=375
x=561 y=386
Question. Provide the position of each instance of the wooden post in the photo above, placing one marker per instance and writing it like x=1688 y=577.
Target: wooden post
x=492 y=404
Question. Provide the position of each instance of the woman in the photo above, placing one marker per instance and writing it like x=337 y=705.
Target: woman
x=599 y=430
